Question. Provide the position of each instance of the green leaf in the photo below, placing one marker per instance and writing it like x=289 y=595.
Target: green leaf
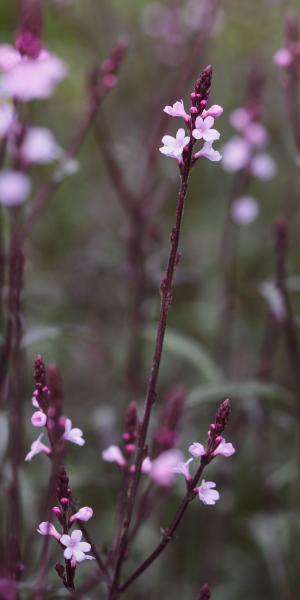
x=188 y=349
x=238 y=389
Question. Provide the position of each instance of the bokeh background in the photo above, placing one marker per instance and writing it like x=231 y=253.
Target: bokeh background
x=80 y=291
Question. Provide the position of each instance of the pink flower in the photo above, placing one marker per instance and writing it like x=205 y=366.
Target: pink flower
x=214 y=111
x=73 y=435
x=225 y=449
x=244 y=210
x=183 y=469
x=39 y=146
x=162 y=467
x=75 y=549
x=263 y=166
x=14 y=188
x=83 y=514
x=9 y=57
x=46 y=528
x=256 y=134
x=114 y=454
x=197 y=450
x=33 y=79
x=206 y=493
x=204 y=129
x=34 y=401
x=177 y=110
x=207 y=151
x=37 y=447
x=38 y=419
x=283 y=58
x=240 y=118
x=236 y=154
x=173 y=147
x=6 y=118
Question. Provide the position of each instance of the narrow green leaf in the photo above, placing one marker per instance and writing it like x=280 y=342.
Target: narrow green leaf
x=188 y=349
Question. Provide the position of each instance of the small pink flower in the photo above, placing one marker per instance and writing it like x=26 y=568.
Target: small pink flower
x=33 y=79
x=256 y=134
x=46 y=528
x=244 y=210
x=34 y=400
x=206 y=493
x=177 y=110
x=263 y=166
x=214 y=111
x=14 y=188
x=236 y=154
x=75 y=549
x=225 y=449
x=37 y=447
x=283 y=58
x=83 y=514
x=197 y=450
x=207 y=151
x=183 y=469
x=73 y=435
x=39 y=146
x=114 y=454
x=162 y=467
x=240 y=118
x=39 y=419
x=173 y=147
x=204 y=129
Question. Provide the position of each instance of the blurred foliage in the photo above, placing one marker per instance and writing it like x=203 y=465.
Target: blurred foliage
x=77 y=304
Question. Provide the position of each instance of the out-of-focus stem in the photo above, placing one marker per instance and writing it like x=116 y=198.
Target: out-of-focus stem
x=288 y=323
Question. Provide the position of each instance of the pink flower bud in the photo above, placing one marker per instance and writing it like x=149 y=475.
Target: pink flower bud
x=64 y=501
x=130 y=448
x=56 y=510
x=46 y=528
x=83 y=514
x=39 y=419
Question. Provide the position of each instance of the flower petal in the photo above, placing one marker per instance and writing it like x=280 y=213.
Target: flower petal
x=76 y=535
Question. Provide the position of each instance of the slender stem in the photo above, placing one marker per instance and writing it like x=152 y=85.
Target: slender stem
x=102 y=567
x=11 y=383
x=166 y=299
x=168 y=533
x=289 y=326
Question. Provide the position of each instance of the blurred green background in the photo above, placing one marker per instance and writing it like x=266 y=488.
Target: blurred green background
x=78 y=301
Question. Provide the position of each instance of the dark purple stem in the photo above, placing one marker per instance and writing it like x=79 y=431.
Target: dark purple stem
x=166 y=299
x=168 y=533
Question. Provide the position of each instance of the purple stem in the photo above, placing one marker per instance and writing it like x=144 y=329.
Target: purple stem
x=168 y=533
x=166 y=299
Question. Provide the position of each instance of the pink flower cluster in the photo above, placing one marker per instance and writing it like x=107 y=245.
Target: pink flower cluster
x=200 y=129
x=41 y=419
x=163 y=469
x=246 y=152
x=74 y=549
x=24 y=78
